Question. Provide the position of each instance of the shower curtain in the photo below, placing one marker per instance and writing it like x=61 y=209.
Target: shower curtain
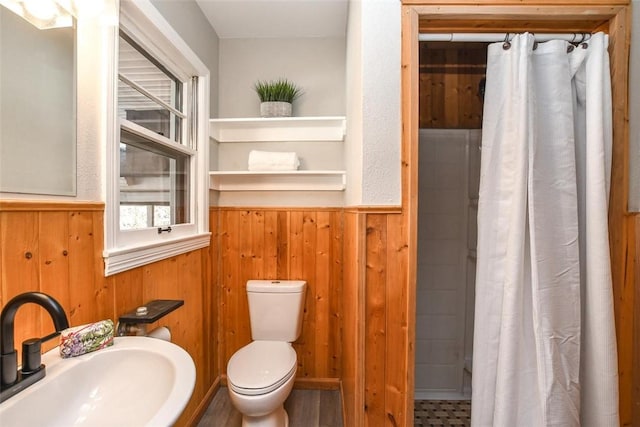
x=544 y=343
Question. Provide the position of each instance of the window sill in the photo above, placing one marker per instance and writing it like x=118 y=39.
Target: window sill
x=120 y=260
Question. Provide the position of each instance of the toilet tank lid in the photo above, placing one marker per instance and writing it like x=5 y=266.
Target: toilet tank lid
x=276 y=286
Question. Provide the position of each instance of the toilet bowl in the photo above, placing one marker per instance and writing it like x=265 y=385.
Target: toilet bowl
x=261 y=374
x=260 y=377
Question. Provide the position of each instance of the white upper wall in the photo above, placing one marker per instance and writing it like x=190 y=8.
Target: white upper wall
x=634 y=110
x=373 y=116
x=315 y=64
x=354 y=140
x=189 y=21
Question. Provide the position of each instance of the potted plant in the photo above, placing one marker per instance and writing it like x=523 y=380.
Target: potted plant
x=276 y=97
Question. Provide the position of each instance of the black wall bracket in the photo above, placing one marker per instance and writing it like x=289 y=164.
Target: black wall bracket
x=155 y=310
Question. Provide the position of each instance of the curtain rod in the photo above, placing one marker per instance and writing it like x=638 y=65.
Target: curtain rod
x=499 y=37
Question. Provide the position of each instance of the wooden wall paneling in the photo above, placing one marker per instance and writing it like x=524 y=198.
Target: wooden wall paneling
x=105 y=294
x=410 y=123
x=635 y=393
x=452 y=87
x=432 y=91
x=53 y=266
x=376 y=350
x=472 y=73
x=619 y=238
x=520 y=2
x=310 y=325
x=296 y=272
x=229 y=276
x=211 y=302
x=91 y=299
x=190 y=272
x=284 y=247
x=397 y=391
x=248 y=225
x=353 y=297
x=180 y=277
x=128 y=292
x=270 y=253
x=76 y=280
x=507 y=16
x=20 y=269
x=322 y=296
x=335 y=294
x=564 y=25
x=301 y=244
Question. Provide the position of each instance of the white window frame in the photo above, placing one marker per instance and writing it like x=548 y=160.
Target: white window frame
x=125 y=250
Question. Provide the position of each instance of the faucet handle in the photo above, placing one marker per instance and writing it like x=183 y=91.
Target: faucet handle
x=31 y=356
x=8 y=362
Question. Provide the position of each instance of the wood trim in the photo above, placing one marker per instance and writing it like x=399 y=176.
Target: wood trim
x=204 y=404
x=374 y=209
x=47 y=205
x=520 y=3
x=620 y=239
x=353 y=322
x=276 y=208
x=410 y=88
x=635 y=282
x=305 y=383
x=547 y=12
x=317 y=383
x=342 y=403
x=350 y=209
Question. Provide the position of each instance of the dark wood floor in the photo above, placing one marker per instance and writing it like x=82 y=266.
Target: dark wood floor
x=306 y=408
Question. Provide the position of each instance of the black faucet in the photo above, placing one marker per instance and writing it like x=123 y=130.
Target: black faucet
x=12 y=379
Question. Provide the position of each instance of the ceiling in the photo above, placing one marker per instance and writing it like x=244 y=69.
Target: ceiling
x=276 y=18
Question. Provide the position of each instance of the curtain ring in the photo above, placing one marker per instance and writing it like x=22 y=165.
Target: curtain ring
x=570 y=48
x=507 y=44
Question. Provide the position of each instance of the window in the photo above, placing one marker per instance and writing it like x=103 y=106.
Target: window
x=157 y=158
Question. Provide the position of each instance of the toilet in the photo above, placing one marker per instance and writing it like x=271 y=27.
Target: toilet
x=260 y=375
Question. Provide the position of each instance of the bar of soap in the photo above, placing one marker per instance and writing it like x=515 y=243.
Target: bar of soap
x=86 y=338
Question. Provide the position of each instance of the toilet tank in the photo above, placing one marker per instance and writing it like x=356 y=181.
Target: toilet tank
x=275 y=309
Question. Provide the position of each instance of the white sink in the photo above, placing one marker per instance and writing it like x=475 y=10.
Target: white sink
x=138 y=381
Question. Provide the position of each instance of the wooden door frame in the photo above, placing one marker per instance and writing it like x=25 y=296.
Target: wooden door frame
x=612 y=17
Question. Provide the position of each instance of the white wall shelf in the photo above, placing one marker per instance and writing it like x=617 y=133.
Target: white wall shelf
x=272 y=129
x=299 y=180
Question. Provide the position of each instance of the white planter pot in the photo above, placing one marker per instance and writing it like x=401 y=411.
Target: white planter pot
x=275 y=109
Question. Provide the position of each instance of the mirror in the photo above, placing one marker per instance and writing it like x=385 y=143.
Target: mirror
x=37 y=108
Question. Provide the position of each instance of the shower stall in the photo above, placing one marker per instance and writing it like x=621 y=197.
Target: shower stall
x=447 y=210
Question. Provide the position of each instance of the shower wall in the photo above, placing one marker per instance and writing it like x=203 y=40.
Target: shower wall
x=447 y=211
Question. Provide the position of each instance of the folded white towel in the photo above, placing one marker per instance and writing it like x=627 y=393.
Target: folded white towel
x=273 y=161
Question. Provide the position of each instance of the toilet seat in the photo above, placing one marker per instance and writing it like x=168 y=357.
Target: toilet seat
x=261 y=367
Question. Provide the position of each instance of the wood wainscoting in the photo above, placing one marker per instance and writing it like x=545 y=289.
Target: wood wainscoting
x=376 y=351
x=56 y=248
x=285 y=244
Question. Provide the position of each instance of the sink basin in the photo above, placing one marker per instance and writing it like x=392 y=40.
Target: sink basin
x=138 y=381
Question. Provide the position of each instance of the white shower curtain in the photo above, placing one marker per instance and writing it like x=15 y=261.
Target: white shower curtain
x=544 y=343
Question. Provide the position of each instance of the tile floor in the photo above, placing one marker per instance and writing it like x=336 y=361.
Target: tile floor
x=442 y=413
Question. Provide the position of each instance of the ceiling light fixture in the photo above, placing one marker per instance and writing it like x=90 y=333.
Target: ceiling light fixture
x=43 y=14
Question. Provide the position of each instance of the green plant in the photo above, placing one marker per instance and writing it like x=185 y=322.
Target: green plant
x=281 y=90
